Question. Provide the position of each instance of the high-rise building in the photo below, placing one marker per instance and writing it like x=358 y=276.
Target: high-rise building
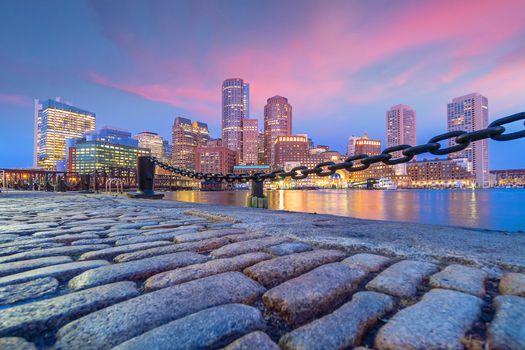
x=260 y=146
x=106 y=150
x=470 y=113
x=277 y=122
x=400 y=130
x=54 y=123
x=186 y=136
x=246 y=100
x=250 y=140
x=350 y=148
x=151 y=141
x=235 y=104
x=364 y=145
x=400 y=126
x=167 y=150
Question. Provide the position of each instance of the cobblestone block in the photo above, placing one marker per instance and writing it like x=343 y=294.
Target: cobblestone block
x=142 y=238
x=401 y=279
x=14 y=293
x=313 y=294
x=255 y=340
x=61 y=272
x=16 y=343
x=507 y=330
x=249 y=246
x=288 y=248
x=197 y=236
x=438 y=321
x=367 y=262
x=461 y=278
x=198 y=246
x=32 y=319
x=27 y=247
x=343 y=328
x=58 y=251
x=189 y=273
x=270 y=273
x=110 y=253
x=513 y=283
x=205 y=329
x=114 y=325
x=134 y=270
x=24 y=265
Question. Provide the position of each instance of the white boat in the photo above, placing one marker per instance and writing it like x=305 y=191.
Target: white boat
x=385 y=184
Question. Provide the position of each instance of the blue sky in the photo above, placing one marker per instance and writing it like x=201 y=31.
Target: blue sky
x=342 y=64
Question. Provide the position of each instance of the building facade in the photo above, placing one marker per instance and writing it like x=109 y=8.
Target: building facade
x=235 y=105
x=151 y=141
x=250 y=141
x=289 y=149
x=186 y=137
x=350 y=146
x=365 y=145
x=167 y=150
x=277 y=122
x=508 y=177
x=106 y=150
x=54 y=123
x=216 y=159
x=400 y=126
x=470 y=113
x=440 y=173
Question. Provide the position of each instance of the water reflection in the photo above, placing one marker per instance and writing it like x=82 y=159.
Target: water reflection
x=502 y=209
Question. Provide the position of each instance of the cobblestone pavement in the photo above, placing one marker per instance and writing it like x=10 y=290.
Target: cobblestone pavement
x=100 y=272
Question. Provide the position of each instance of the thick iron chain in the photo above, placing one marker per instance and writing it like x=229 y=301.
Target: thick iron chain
x=495 y=131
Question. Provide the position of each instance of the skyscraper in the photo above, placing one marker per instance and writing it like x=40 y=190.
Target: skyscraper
x=186 y=137
x=235 y=105
x=151 y=141
x=167 y=150
x=470 y=113
x=250 y=135
x=350 y=147
x=400 y=130
x=277 y=122
x=54 y=123
x=400 y=126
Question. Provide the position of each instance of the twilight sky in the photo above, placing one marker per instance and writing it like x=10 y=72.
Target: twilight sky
x=342 y=64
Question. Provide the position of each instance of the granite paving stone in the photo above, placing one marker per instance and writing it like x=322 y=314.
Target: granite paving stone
x=134 y=270
x=110 y=253
x=16 y=343
x=343 y=328
x=314 y=293
x=213 y=267
x=513 y=283
x=197 y=236
x=134 y=225
x=115 y=324
x=255 y=340
x=206 y=329
x=461 y=278
x=438 y=321
x=198 y=246
x=288 y=248
x=507 y=330
x=141 y=238
x=58 y=251
x=249 y=246
x=29 y=320
x=106 y=240
x=270 y=273
x=367 y=262
x=61 y=272
x=14 y=293
x=26 y=247
x=76 y=229
x=402 y=278
x=116 y=233
x=24 y=265
x=155 y=231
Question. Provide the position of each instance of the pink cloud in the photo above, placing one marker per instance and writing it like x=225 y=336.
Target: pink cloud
x=17 y=100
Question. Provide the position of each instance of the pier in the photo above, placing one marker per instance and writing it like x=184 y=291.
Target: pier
x=85 y=271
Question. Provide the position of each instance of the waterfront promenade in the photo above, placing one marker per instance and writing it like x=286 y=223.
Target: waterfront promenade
x=99 y=272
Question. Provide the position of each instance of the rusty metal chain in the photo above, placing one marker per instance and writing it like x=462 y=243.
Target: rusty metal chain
x=359 y=162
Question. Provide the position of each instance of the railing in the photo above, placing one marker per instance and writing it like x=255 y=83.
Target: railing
x=118 y=182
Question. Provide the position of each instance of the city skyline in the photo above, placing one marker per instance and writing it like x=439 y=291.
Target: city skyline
x=350 y=74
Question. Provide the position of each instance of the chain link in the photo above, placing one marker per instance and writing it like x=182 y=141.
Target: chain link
x=359 y=162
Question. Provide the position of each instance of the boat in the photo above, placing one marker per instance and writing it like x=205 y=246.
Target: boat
x=384 y=184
